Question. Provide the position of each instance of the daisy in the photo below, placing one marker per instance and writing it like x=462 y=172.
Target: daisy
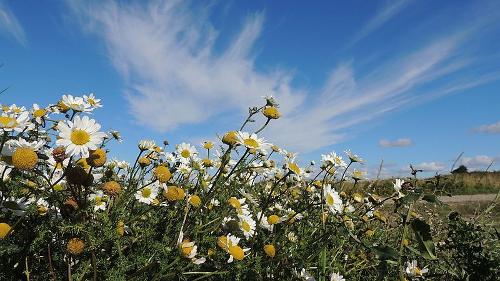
x=251 y=141
x=357 y=175
x=413 y=271
x=239 y=206
x=291 y=216
x=189 y=250
x=247 y=225
x=11 y=145
x=14 y=122
x=146 y=145
x=336 y=277
x=80 y=136
x=333 y=200
x=147 y=194
x=42 y=206
x=92 y=100
x=5 y=172
x=306 y=276
x=38 y=113
x=24 y=156
x=99 y=200
x=76 y=103
x=266 y=222
x=353 y=157
x=185 y=151
x=397 y=187
x=230 y=244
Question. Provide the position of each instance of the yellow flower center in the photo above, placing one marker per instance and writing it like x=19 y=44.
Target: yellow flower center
x=222 y=242
x=329 y=200
x=234 y=202
x=195 y=200
x=294 y=168
x=185 y=153
x=273 y=219
x=146 y=192
x=230 y=138
x=270 y=250
x=39 y=112
x=271 y=112
x=75 y=246
x=97 y=158
x=245 y=226
x=79 y=137
x=162 y=173
x=4 y=230
x=236 y=252
x=251 y=143
x=91 y=102
x=186 y=248
x=7 y=122
x=24 y=158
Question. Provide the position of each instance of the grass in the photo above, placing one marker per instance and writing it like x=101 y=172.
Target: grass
x=446 y=185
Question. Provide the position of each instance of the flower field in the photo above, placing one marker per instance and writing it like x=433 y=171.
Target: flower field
x=238 y=209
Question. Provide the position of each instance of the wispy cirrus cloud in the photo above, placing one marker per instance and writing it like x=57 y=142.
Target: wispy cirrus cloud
x=388 y=11
x=489 y=128
x=402 y=142
x=9 y=25
x=174 y=75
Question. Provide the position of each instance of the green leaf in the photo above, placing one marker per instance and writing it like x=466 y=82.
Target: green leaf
x=385 y=252
x=424 y=237
x=12 y=205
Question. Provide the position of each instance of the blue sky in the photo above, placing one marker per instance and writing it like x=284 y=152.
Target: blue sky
x=403 y=81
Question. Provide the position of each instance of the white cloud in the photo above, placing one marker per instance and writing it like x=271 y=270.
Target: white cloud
x=430 y=166
x=396 y=143
x=174 y=76
x=165 y=53
x=10 y=25
x=383 y=15
x=489 y=128
x=479 y=162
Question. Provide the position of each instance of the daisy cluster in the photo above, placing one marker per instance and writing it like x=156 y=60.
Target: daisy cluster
x=177 y=208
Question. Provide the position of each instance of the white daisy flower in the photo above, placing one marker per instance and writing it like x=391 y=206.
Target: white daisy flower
x=147 y=194
x=76 y=103
x=79 y=136
x=92 y=100
x=413 y=271
x=252 y=141
x=353 y=157
x=11 y=145
x=185 y=151
x=332 y=199
x=247 y=225
x=15 y=122
x=147 y=144
x=264 y=222
x=5 y=172
x=336 y=277
x=233 y=249
x=99 y=200
x=306 y=276
x=38 y=113
x=397 y=187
